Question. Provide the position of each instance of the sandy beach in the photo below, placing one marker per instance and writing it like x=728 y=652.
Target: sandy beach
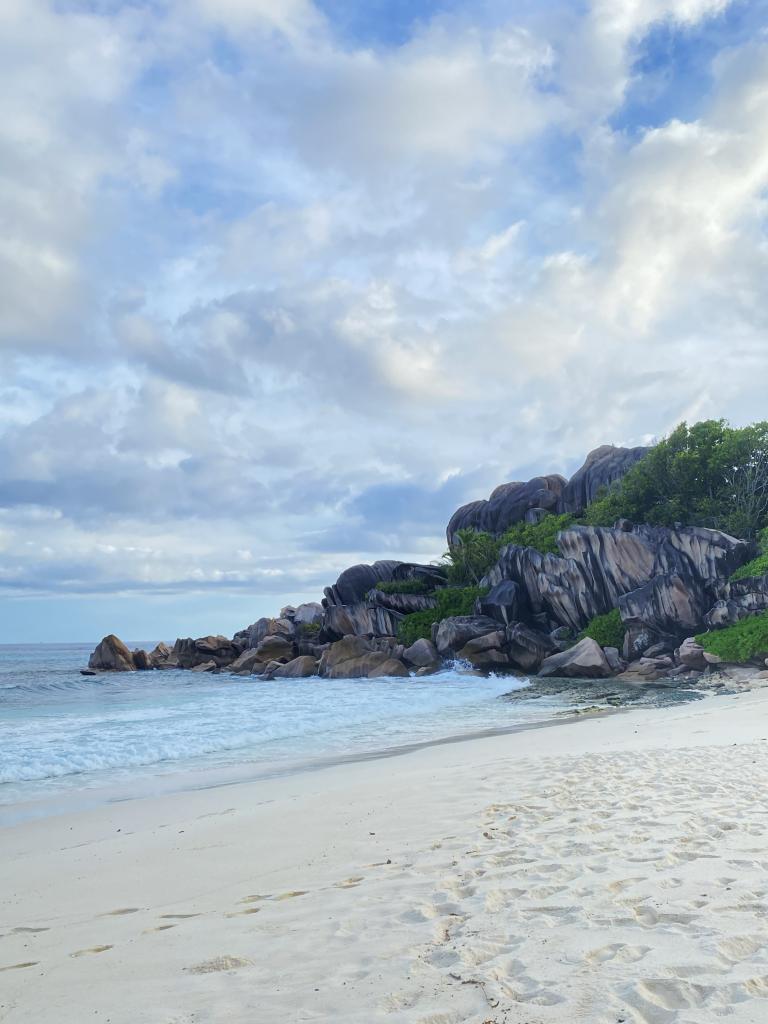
x=607 y=870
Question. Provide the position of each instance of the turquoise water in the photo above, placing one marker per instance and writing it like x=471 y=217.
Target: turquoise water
x=114 y=736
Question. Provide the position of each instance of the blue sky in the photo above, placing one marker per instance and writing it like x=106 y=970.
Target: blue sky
x=283 y=285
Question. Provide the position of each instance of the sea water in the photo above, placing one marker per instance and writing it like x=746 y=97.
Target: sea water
x=67 y=738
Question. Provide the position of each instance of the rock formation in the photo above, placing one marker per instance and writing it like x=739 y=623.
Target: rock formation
x=510 y=503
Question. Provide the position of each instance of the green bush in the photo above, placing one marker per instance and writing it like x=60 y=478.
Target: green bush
x=406 y=587
x=450 y=601
x=758 y=566
x=740 y=642
x=470 y=557
x=608 y=630
x=541 y=536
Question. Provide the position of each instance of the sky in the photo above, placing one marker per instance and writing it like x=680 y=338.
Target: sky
x=284 y=284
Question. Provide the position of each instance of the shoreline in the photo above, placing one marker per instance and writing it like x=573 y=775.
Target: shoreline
x=558 y=878
x=157 y=780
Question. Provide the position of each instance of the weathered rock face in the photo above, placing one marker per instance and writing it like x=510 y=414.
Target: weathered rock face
x=691 y=654
x=737 y=601
x=504 y=602
x=187 y=653
x=455 y=632
x=309 y=614
x=432 y=574
x=604 y=466
x=667 y=606
x=421 y=654
x=526 y=647
x=391 y=667
x=508 y=504
x=585 y=660
x=246 y=662
x=486 y=652
x=601 y=565
x=159 y=655
x=354 y=583
x=274 y=648
x=141 y=660
x=299 y=668
x=360 y=619
x=257 y=631
x=111 y=655
x=405 y=604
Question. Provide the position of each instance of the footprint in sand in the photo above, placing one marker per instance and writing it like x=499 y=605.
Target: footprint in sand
x=92 y=949
x=23 y=930
x=160 y=928
x=349 y=883
x=257 y=897
x=20 y=967
x=178 y=917
x=219 y=963
x=242 y=913
x=291 y=895
x=121 y=911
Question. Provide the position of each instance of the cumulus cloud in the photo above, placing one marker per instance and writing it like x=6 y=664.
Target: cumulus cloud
x=274 y=299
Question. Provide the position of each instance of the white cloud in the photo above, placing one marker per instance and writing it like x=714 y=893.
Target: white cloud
x=302 y=297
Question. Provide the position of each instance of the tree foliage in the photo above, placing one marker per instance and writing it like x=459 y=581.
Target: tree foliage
x=709 y=474
x=473 y=554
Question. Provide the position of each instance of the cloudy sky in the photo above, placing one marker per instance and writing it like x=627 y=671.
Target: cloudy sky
x=283 y=282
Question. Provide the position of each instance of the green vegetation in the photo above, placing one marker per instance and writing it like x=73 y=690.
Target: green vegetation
x=758 y=566
x=608 y=630
x=709 y=474
x=470 y=557
x=406 y=587
x=741 y=642
x=308 y=630
x=449 y=601
x=541 y=536
x=474 y=553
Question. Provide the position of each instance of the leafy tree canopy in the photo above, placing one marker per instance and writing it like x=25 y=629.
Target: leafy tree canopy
x=710 y=474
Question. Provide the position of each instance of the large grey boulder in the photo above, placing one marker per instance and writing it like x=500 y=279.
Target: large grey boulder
x=527 y=647
x=111 y=655
x=669 y=605
x=504 y=602
x=455 y=632
x=486 y=652
x=264 y=627
x=404 y=604
x=308 y=614
x=274 y=648
x=603 y=467
x=421 y=654
x=360 y=619
x=354 y=583
x=246 y=662
x=690 y=653
x=392 y=668
x=299 y=668
x=586 y=660
x=508 y=504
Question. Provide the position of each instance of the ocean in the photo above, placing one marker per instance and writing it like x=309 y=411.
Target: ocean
x=68 y=740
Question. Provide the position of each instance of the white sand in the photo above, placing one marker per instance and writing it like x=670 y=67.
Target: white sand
x=611 y=870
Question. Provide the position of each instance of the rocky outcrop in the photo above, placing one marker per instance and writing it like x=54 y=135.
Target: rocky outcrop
x=111 y=655
x=508 y=504
x=527 y=648
x=187 y=653
x=360 y=619
x=252 y=635
x=690 y=653
x=486 y=652
x=455 y=632
x=604 y=466
x=599 y=566
x=506 y=603
x=298 y=668
x=585 y=660
x=737 y=601
x=403 y=604
x=422 y=654
x=354 y=583
x=355 y=657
